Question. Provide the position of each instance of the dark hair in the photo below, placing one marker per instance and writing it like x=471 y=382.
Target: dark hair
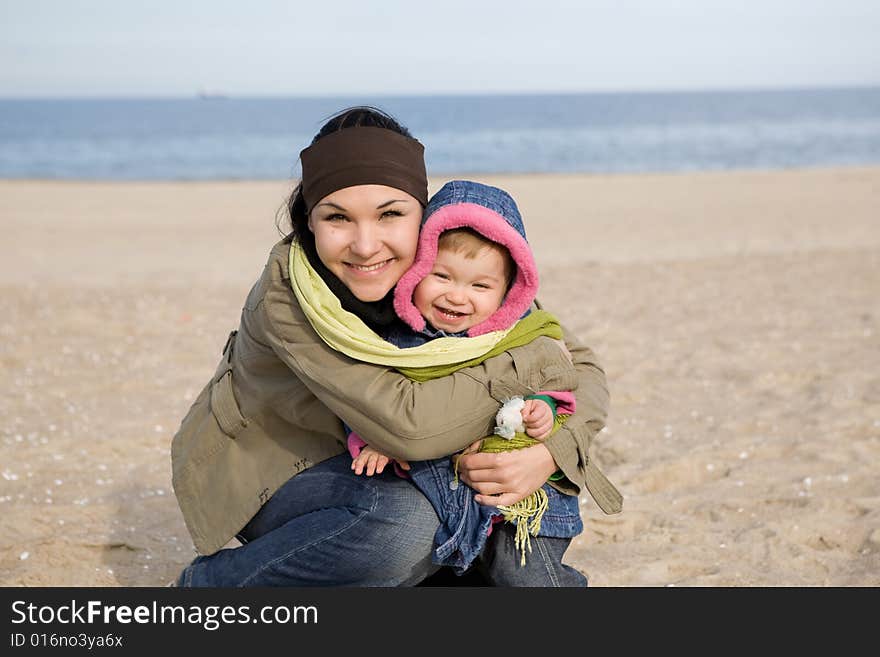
x=295 y=210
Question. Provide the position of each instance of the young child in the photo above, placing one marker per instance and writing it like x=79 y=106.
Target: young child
x=474 y=273
x=466 y=285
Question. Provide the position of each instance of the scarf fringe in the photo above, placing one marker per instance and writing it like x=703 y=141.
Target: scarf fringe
x=526 y=514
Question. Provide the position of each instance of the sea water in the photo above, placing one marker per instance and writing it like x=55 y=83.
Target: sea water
x=260 y=138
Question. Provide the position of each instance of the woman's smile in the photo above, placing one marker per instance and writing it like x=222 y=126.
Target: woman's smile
x=369 y=269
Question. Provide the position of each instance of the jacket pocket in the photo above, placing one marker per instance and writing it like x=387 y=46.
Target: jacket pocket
x=225 y=407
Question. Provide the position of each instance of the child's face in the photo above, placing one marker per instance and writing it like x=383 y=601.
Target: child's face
x=461 y=292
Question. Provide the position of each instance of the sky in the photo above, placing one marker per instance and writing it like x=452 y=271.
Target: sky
x=122 y=48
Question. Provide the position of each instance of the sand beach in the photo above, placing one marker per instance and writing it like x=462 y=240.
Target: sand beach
x=737 y=315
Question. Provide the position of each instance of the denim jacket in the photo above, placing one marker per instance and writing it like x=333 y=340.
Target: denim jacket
x=465 y=524
x=405 y=337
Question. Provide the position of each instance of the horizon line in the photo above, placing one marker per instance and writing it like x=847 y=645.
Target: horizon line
x=220 y=95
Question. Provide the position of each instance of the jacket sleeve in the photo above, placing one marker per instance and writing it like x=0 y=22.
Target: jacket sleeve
x=404 y=418
x=570 y=445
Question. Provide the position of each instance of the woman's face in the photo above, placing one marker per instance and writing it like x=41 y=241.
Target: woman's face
x=367 y=236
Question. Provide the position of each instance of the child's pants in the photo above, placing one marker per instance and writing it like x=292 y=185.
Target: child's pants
x=500 y=561
x=499 y=564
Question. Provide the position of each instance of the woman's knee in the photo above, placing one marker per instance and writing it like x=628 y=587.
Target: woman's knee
x=387 y=542
x=340 y=529
x=326 y=485
x=400 y=536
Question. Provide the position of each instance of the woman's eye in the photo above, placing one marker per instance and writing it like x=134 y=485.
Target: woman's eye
x=335 y=217
x=392 y=213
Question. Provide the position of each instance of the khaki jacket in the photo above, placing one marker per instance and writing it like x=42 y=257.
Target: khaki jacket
x=273 y=409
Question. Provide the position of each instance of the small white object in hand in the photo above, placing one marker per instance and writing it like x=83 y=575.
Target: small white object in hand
x=509 y=419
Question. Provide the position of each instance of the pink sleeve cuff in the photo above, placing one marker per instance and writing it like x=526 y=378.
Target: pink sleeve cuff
x=355 y=444
x=565 y=401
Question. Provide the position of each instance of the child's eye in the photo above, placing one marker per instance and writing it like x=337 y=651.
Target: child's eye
x=441 y=276
x=482 y=286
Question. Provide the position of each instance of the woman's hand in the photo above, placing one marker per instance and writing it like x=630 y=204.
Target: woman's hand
x=505 y=477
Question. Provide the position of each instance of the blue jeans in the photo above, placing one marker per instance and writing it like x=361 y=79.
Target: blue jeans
x=500 y=561
x=499 y=564
x=329 y=527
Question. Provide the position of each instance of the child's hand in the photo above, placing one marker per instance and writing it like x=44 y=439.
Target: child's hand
x=373 y=461
x=369 y=459
x=538 y=418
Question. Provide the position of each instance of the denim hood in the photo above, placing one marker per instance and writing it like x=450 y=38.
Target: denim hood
x=492 y=213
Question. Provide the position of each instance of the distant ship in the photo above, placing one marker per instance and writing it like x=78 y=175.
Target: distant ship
x=207 y=94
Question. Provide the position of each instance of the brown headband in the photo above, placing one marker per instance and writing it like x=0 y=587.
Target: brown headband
x=363 y=156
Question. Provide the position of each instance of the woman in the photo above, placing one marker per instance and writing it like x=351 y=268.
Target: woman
x=261 y=453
